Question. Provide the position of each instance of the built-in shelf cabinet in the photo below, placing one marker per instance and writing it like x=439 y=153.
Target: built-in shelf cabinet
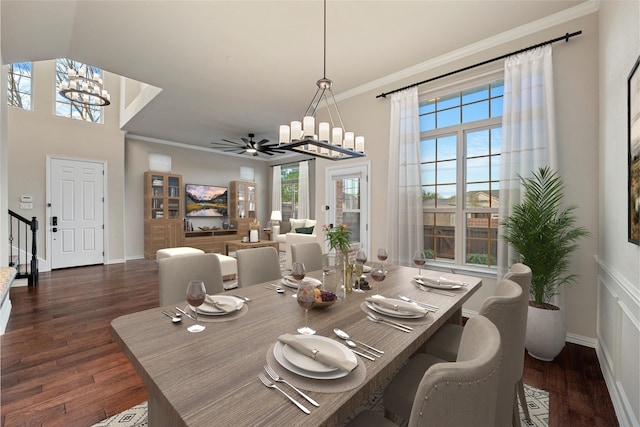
x=163 y=210
x=243 y=204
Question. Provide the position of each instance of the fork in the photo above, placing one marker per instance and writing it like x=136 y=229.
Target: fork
x=398 y=326
x=269 y=384
x=278 y=378
x=429 y=307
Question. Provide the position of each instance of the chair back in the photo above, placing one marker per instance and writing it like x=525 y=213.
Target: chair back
x=257 y=265
x=507 y=309
x=177 y=271
x=521 y=274
x=462 y=393
x=308 y=253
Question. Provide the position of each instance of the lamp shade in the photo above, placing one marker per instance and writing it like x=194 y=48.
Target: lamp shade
x=276 y=216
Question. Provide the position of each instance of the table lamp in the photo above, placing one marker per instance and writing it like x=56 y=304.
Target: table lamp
x=276 y=217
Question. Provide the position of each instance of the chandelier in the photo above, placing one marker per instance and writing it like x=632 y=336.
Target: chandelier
x=85 y=87
x=331 y=140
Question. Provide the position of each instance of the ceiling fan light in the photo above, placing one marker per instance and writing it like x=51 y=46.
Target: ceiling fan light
x=251 y=150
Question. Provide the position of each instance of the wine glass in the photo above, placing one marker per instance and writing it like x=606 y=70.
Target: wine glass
x=196 y=294
x=419 y=259
x=306 y=296
x=378 y=274
x=382 y=254
x=361 y=258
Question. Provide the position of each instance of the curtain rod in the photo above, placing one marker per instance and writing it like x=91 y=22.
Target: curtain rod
x=566 y=38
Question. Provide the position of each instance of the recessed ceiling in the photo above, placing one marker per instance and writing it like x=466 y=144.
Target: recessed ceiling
x=227 y=68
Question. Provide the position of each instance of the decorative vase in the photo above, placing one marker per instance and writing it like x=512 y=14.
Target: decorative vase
x=253 y=236
x=546 y=332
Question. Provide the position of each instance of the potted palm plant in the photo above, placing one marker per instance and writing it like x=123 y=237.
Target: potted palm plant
x=544 y=234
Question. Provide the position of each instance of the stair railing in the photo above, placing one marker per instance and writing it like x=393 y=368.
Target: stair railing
x=22 y=234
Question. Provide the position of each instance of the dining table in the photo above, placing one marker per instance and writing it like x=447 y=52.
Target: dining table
x=211 y=377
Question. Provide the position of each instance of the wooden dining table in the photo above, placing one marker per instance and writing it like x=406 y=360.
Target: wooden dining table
x=211 y=378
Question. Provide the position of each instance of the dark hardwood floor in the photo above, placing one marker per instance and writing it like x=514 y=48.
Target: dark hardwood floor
x=60 y=366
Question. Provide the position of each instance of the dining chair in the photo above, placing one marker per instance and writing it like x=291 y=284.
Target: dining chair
x=257 y=265
x=521 y=274
x=507 y=309
x=436 y=393
x=176 y=272
x=308 y=253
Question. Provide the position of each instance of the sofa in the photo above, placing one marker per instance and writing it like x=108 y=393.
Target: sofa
x=296 y=231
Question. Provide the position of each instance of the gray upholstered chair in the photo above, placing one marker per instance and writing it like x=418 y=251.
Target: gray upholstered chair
x=176 y=272
x=257 y=265
x=308 y=253
x=521 y=274
x=438 y=393
x=507 y=308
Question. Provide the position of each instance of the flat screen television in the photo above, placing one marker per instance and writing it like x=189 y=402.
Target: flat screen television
x=205 y=200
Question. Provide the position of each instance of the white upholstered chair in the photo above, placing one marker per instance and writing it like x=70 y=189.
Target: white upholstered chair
x=175 y=272
x=507 y=309
x=308 y=253
x=257 y=265
x=460 y=394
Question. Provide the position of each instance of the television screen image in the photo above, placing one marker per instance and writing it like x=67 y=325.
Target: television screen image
x=205 y=200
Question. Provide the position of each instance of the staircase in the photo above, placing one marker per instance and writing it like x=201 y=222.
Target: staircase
x=23 y=248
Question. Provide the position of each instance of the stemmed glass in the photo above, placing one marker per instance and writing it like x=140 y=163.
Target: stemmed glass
x=419 y=259
x=382 y=254
x=361 y=258
x=196 y=294
x=306 y=296
x=378 y=274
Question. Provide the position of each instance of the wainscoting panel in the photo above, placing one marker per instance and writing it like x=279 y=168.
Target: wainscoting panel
x=619 y=342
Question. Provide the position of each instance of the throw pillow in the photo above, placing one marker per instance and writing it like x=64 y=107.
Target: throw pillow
x=309 y=222
x=304 y=230
x=296 y=223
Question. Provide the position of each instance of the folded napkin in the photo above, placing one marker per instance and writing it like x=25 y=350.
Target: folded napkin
x=398 y=305
x=442 y=281
x=340 y=362
x=222 y=306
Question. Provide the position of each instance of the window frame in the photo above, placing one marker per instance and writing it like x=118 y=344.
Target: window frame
x=10 y=88
x=461 y=209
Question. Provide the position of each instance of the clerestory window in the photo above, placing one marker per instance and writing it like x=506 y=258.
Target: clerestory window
x=20 y=85
x=75 y=110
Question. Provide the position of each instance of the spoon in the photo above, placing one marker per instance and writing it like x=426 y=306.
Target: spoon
x=345 y=336
x=276 y=288
x=174 y=319
x=247 y=299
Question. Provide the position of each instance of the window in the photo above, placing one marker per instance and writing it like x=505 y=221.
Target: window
x=289 y=186
x=71 y=109
x=460 y=136
x=19 y=85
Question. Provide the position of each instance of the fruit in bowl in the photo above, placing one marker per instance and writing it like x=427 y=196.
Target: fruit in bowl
x=324 y=298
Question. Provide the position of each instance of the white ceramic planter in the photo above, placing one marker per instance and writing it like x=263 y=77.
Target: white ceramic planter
x=546 y=333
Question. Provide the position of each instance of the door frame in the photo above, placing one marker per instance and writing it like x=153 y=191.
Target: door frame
x=105 y=217
x=362 y=168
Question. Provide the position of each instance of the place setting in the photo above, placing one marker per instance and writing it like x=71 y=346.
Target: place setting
x=202 y=307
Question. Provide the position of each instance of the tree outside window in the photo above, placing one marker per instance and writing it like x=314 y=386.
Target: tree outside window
x=19 y=85
x=289 y=188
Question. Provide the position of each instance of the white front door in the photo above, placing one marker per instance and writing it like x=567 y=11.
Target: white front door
x=76 y=214
x=347 y=190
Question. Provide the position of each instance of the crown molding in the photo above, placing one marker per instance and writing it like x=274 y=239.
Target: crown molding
x=583 y=9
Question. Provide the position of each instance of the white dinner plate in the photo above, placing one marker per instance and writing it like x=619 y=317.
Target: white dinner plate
x=434 y=282
x=290 y=282
x=393 y=313
x=332 y=375
x=305 y=362
x=210 y=310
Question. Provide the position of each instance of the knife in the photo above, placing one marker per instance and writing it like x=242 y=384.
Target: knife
x=189 y=315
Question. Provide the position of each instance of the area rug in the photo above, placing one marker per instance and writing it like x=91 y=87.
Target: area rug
x=537 y=401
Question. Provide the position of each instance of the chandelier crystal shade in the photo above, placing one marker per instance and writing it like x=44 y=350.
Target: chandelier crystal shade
x=329 y=140
x=85 y=88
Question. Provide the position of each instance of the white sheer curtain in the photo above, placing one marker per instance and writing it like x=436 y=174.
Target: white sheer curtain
x=404 y=197
x=303 y=190
x=528 y=131
x=276 y=192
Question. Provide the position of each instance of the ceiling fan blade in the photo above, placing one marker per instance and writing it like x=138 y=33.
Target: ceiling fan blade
x=246 y=141
x=264 y=141
x=231 y=142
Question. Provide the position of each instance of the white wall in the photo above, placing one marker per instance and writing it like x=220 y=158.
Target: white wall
x=34 y=135
x=619 y=275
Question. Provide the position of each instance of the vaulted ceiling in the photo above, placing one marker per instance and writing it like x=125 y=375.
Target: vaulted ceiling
x=227 y=68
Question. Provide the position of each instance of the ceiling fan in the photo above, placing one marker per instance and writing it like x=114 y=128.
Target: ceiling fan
x=249 y=146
